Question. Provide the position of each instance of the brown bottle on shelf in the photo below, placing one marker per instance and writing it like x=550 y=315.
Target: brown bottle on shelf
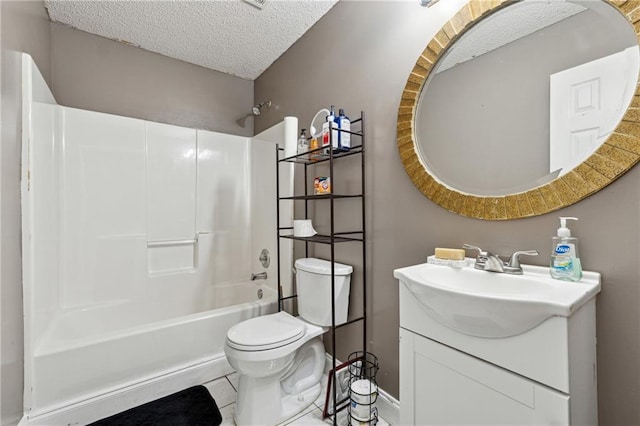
x=313 y=156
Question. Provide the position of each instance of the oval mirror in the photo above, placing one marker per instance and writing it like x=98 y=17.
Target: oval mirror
x=520 y=108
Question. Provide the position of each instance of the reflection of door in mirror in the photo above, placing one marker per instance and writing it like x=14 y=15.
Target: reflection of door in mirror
x=578 y=122
x=482 y=125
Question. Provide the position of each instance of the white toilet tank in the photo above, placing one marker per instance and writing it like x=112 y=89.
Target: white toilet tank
x=313 y=279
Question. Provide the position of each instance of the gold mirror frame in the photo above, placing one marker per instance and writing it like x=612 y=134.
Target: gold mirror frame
x=612 y=159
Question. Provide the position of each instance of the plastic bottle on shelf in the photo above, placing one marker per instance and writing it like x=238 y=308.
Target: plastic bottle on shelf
x=330 y=132
x=344 y=138
x=303 y=143
x=313 y=145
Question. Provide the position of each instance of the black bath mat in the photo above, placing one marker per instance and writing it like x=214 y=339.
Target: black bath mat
x=190 y=407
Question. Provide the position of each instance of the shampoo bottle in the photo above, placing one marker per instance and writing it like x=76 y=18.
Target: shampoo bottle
x=344 y=138
x=565 y=261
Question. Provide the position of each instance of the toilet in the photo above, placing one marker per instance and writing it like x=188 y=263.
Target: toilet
x=280 y=358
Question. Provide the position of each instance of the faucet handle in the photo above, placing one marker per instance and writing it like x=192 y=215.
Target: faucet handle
x=481 y=258
x=259 y=276
x=481 y=253
x=514 y=261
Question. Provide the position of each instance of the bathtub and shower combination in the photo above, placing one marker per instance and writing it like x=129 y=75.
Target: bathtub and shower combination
x=139 y=240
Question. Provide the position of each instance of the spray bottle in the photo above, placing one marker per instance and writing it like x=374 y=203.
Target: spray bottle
x=329 y=132
x=565 y=261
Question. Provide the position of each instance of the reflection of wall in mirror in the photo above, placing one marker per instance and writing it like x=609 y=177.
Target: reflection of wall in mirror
x=494 y=108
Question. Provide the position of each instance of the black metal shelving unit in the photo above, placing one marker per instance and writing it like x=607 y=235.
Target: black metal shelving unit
x=310 y=159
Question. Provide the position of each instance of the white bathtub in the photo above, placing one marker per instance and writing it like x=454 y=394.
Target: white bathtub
x=87 y=355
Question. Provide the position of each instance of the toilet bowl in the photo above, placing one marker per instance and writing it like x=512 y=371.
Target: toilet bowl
x=280 y=358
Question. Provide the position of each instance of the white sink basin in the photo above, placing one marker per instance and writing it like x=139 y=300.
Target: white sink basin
x=488 y=304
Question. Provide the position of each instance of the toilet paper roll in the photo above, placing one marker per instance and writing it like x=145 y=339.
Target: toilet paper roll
x=303 y=228
x=370 y=420
x=364 y=394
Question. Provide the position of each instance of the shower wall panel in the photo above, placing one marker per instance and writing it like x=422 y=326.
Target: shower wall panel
x=128 y=211
x=44 y=174
x=263 y=188
x=171 y=198
x=171 y=182
x=223 y=208
x=103 y=192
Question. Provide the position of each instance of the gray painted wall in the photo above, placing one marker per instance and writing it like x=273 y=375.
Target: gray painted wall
x=359 y=57
x=25 y=28
x=98 y=74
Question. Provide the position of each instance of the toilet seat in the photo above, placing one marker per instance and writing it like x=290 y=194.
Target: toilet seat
x=279 y=359
x=265 y=332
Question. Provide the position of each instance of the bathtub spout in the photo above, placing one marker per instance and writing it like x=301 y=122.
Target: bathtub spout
x=260 y=276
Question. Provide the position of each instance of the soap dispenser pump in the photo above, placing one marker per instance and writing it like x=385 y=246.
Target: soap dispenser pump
x=565 y=261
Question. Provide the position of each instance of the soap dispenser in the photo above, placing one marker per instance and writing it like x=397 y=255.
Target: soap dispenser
x=565 y=261
x=303 y=142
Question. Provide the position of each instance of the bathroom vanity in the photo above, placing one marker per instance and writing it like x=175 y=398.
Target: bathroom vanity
x=483 y=348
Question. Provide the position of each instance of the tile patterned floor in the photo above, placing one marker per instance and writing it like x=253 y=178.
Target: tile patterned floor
x=224 y=390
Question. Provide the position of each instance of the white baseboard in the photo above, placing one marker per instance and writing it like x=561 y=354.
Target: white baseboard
x=388 y=406
x=122 y=399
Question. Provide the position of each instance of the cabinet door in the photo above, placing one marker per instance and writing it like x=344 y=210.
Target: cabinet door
x=442 y=386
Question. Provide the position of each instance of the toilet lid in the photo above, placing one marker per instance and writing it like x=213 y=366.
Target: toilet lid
x=265 y=332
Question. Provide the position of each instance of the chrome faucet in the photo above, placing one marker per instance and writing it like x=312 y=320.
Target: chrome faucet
x=487 y=261
x=259 y=276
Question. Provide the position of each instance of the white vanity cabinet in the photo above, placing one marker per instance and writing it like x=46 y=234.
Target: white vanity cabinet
x=443 y=386
x=543 y=376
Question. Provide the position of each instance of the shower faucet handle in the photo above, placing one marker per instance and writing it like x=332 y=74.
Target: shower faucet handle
x=259 y=276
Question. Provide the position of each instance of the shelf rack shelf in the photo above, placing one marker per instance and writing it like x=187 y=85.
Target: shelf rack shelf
x=306 y=158
x=321 y=197
x=310 y=159
x=322 y=239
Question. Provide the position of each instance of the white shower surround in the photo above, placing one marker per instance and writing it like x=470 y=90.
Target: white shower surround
x=137 y=239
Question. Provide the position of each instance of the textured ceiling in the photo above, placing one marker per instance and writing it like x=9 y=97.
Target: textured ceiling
x=507 y=25
x=230 y=36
